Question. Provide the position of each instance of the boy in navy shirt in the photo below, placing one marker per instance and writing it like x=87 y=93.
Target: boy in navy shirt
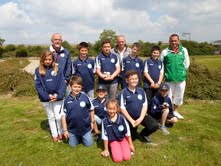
x=78 y=115
x=132 y=62
x=107 y=68
x=83 y=66
x=153 y=73
x=133 y=104
x=161 y=108
x=100 y=104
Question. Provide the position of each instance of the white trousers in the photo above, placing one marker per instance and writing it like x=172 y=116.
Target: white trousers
x=176 y=92
x=53 y=111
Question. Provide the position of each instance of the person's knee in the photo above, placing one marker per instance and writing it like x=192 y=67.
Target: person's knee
x=117 y=158
x=174 y=120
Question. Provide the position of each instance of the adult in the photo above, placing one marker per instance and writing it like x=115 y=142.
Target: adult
x=176 y=62
x=121 y=50
x=62 y=56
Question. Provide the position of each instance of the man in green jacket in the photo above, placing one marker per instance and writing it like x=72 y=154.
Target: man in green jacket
x=176 y=62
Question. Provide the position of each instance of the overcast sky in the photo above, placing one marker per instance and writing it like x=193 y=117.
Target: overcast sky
x=34 y=21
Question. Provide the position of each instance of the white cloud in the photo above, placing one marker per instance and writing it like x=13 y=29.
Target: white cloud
x=33 y=22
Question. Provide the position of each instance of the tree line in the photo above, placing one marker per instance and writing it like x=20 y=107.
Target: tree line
x=12 y=50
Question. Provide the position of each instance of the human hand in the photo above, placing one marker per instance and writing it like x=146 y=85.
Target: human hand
x=66 y=134
x=105 y=153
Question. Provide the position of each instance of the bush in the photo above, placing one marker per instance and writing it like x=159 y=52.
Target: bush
x=10 y=47
x=203 y=83
x=1 y=52
x=14 y=80
x=21 y=51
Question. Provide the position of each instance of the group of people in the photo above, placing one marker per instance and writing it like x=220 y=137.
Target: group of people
x=129 y=93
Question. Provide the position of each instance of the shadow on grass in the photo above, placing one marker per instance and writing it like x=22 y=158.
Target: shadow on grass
x=45 y=126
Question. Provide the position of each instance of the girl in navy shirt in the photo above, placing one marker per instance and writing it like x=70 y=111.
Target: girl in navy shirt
x=50 y=85
x=116 y=134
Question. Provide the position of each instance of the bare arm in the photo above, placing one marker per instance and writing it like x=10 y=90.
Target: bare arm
x=64 y=126
x=105 y=152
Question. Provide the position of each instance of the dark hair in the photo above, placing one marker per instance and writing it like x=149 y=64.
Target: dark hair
x=83 y=45
x=155 y=48
x=76 y=79
x=131 y=73
x=105 y=41
x=174 y=35
x=136 y=44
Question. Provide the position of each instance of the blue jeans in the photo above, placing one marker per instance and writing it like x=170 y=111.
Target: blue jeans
x=86 y=139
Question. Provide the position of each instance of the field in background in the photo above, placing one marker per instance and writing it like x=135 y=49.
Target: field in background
x=212 y=61
x=25 y=139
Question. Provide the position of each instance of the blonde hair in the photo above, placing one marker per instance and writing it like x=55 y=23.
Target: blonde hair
x=42 y=67
x=113 y=102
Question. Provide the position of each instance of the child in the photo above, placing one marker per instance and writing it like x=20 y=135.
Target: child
x=50 y=85
x=116 y=134
x=133 y=104
x=78 y=115
x=153 y=73
x=107 y=68
x=161 y=108
x=83 y=66
x=100 y=104
x=132 y=62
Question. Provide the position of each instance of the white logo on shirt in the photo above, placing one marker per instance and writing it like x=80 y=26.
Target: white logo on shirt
x=137 y=65
x=82 y=104
x=121 y=128
x=112 y=60
x=154 y=107
x=159 y=66
x=89 y=66
x=62 y=55
x=53 y=73
x=139 y=97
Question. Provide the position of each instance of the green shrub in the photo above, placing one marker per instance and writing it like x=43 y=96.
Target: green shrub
x=1 y=52
x=10 y=47
x=203 y=83
x=21 y=51
x=14 y=80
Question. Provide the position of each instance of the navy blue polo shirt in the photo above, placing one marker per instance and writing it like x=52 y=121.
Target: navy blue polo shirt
x=107 y=63
x=156 y=105
x=85 y=69
x=100 y=108
x=153 y=68
x=133 y=102
x=115 y=131
x=77 y=111
x=132 y=64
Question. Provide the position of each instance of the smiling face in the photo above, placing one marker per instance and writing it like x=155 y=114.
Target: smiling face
x=112 y=110
x=174 y=42
x=83 y=52
x=121 y=42
x=164 y=93
x=56 y=41
x=76 y=89
x=101 y=94
x=155 y=54
x=132 y=81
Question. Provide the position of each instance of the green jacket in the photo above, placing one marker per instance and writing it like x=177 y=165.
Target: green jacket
x=175 y=65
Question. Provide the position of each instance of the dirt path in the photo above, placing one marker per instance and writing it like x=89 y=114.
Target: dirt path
x=32 y=66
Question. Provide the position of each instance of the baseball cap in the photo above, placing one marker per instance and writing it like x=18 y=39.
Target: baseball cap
x=164 y=86
x=101 y=87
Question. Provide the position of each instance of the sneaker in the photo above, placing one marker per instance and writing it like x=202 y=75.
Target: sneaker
x=164 y=130
x=175 y=113
x=147 y=139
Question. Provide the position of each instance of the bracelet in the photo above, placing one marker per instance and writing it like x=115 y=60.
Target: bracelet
x=64 y=130
x=92 y=121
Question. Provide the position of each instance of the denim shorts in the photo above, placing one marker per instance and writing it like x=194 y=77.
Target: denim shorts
x=86 y=139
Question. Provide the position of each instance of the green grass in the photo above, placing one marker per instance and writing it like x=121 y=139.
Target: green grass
x=211 y=61
x=25 y=139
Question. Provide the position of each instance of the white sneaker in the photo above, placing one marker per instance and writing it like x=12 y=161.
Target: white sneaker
x=175 y=113
x=164 y=130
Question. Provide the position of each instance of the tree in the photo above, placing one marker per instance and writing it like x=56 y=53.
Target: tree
x=106 y=34
x=1 y=41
